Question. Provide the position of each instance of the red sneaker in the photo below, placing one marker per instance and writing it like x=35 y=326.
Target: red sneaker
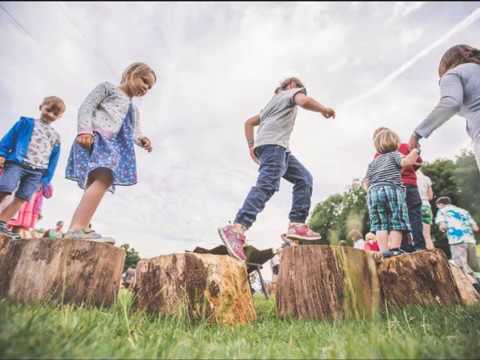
x=234 y=242
x=302 y=232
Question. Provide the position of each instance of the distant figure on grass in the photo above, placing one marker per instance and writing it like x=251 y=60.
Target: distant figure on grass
x=29 y=154
x=371 y=242
x=414 y=240
x=459 y=72
x=270 y=149
x=386 y=197
x=103 y=153
x=426 y=193
x=357 y=239
x=30 y=212
x=56 y=233
x=459 y=226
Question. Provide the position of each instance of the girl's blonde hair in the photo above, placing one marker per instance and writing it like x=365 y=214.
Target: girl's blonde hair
x=385 y=140
x=137 y=69
x=284 y=84
x=370 y=236
x=456 y=55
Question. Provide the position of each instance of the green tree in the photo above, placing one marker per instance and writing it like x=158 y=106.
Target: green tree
x=132 y=257
x=325 y=216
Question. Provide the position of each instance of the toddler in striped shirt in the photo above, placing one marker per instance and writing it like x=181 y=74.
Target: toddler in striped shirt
x=387 y=207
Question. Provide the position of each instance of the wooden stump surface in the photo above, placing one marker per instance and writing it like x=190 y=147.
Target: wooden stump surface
x=468 y=294
x=212 y=287
x=65 y=271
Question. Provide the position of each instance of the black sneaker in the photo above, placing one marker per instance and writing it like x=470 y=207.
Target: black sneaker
x=10 y=234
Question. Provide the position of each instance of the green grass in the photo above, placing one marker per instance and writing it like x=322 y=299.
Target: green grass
x=119 y=332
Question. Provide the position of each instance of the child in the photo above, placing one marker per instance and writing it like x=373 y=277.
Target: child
x=30 y=212
x=271 y=151
x=371 y=243
x=426 y=194
x=103 y=154
x=357 y=239
x=459 y=226
x=386 y=198
x=29 y=155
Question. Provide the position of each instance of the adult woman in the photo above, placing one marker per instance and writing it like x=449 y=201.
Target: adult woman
x=459 y=72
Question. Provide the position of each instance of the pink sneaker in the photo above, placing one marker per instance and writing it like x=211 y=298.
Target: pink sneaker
x=234 y=242
x=302 y=232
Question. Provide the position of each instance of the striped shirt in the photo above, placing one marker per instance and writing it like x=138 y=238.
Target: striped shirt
x=385 y=170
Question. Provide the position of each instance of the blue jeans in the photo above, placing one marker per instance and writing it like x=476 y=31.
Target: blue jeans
x=24 y=179
x=276 y=162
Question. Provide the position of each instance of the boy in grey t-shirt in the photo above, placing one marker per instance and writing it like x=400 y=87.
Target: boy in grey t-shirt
x=271 y=151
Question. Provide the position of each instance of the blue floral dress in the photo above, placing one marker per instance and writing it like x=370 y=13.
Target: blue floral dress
x=116 y=154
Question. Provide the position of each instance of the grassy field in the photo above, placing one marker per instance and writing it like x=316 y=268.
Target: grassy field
x=119 y=332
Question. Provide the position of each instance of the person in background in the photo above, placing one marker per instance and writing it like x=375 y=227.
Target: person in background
x=426 y=194
x=459 y=226
x=371 y=243
x=357 y=239
x=56 y=233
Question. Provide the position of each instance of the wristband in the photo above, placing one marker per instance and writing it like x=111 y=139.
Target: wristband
x=250 y=142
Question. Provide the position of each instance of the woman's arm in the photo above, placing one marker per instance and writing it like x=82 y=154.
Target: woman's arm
x=451 y=99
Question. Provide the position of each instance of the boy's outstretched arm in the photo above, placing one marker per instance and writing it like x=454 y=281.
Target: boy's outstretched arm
x=311 y=104
x=249 y=125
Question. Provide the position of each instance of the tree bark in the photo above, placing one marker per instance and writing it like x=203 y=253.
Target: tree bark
x=420 y=278
x=200 y=286
x=64 y=271
x=468 y=294
x=327 y=282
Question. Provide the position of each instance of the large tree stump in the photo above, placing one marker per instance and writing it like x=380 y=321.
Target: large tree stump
x=327 y=282
x=468 y=294
x=64 y=271
x=201 y=286
x=420 y=278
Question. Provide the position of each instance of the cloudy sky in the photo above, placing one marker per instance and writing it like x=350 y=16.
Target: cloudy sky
x=217 y=65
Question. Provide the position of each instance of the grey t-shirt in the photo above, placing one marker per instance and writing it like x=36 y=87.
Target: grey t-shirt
x=460 y=93
x=277 y=119
x=385 y=170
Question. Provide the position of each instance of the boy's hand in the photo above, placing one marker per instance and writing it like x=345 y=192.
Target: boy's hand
x=146 y=143
x=253 y=156
x=85 y=140
x=2 y=162
x=328 y=113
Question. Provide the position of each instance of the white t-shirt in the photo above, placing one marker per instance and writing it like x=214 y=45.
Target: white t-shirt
x=423 y=183
x=359 y=244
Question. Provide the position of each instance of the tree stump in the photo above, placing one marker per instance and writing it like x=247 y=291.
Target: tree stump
x=319 y=282
x=62 y=271
x=420 y=278
x=468 y=294
x=200 y=286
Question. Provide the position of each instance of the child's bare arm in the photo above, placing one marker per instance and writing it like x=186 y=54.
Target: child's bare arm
x=249 y=125
x=311 y=104
x=2 y=162
x=410 y=159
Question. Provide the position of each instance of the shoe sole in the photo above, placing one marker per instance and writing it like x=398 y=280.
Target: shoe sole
x=301 y=238
x=227 y=245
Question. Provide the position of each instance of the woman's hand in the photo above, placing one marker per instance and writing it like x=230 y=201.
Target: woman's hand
x=413 y=143
x=85 y=140
x=146 y=143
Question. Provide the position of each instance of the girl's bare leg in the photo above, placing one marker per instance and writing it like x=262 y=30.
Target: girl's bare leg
x=11 y=209
x=99 y=182
x=382 y=240
x=395 y=239
x=428 y=236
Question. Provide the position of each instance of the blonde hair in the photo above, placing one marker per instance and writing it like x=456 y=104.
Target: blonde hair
x=55 y=101
x=354 y=235
x=385 y=140
x=137 y=69
x=370 y=236
x=284 y=84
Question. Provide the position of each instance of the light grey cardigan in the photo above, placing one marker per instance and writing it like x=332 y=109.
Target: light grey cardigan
x=460 y=93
